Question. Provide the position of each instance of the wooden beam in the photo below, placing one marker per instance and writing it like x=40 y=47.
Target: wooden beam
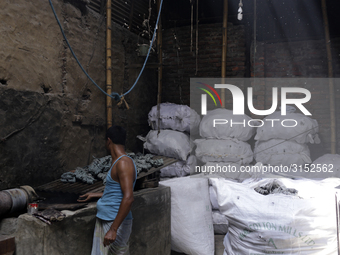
x=108 y=65
x=224 y=48
x=330 y=76
x=160 y=60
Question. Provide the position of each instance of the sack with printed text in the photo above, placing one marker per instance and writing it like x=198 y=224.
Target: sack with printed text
x=276 y=223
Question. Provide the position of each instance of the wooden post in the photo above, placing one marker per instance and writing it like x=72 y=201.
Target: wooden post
x=108 y=65
x=224 y=48
x=330 y=76
x=160 y=61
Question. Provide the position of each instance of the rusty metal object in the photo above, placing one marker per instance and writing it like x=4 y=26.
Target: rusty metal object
x=31 y=195
x=19 y=199
x=5 y=203
x=15 y=200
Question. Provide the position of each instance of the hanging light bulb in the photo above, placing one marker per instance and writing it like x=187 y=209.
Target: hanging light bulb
x=240 y=11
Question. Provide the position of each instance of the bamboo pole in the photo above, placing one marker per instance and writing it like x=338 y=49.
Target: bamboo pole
x=330 y=75
x=224 y=48
x=160 y=61
x=337 y=219
x=108 y=65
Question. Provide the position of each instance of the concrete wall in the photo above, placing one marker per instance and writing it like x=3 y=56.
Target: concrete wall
x=151 y=230
x=73 y=236
x=52 y=117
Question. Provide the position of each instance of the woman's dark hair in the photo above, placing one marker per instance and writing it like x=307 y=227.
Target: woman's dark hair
x=117 y=134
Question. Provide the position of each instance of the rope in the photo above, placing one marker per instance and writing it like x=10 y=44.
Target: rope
x=113 y=95
x=122 y=100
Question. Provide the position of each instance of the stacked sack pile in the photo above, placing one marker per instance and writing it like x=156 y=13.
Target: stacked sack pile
x=223 y=145
x=224 y=142
x=175 y=124
x=279 y=145
x=191 y=216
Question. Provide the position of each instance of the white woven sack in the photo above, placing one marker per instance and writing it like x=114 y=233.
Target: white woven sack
x=220 y=222
x=229 y=150
x=305 y=131
x=175 y=117
x=191 y=216
x=280 y=152
x=213 y=198
x=227 y=170
x=228 y=130
x=330 y=165
x=168 y=143
x=276 y=224
x=180 y=168
x=307 y=188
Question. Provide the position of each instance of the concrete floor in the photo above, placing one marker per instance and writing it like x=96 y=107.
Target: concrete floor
x=219 y=248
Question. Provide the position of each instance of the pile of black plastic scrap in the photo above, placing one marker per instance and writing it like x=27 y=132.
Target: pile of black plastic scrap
x=99 y=168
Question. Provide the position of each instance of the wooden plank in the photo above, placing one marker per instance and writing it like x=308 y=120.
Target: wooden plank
x=149 y=184
x=47 y=184
x=7 y=245
x=43 y=206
